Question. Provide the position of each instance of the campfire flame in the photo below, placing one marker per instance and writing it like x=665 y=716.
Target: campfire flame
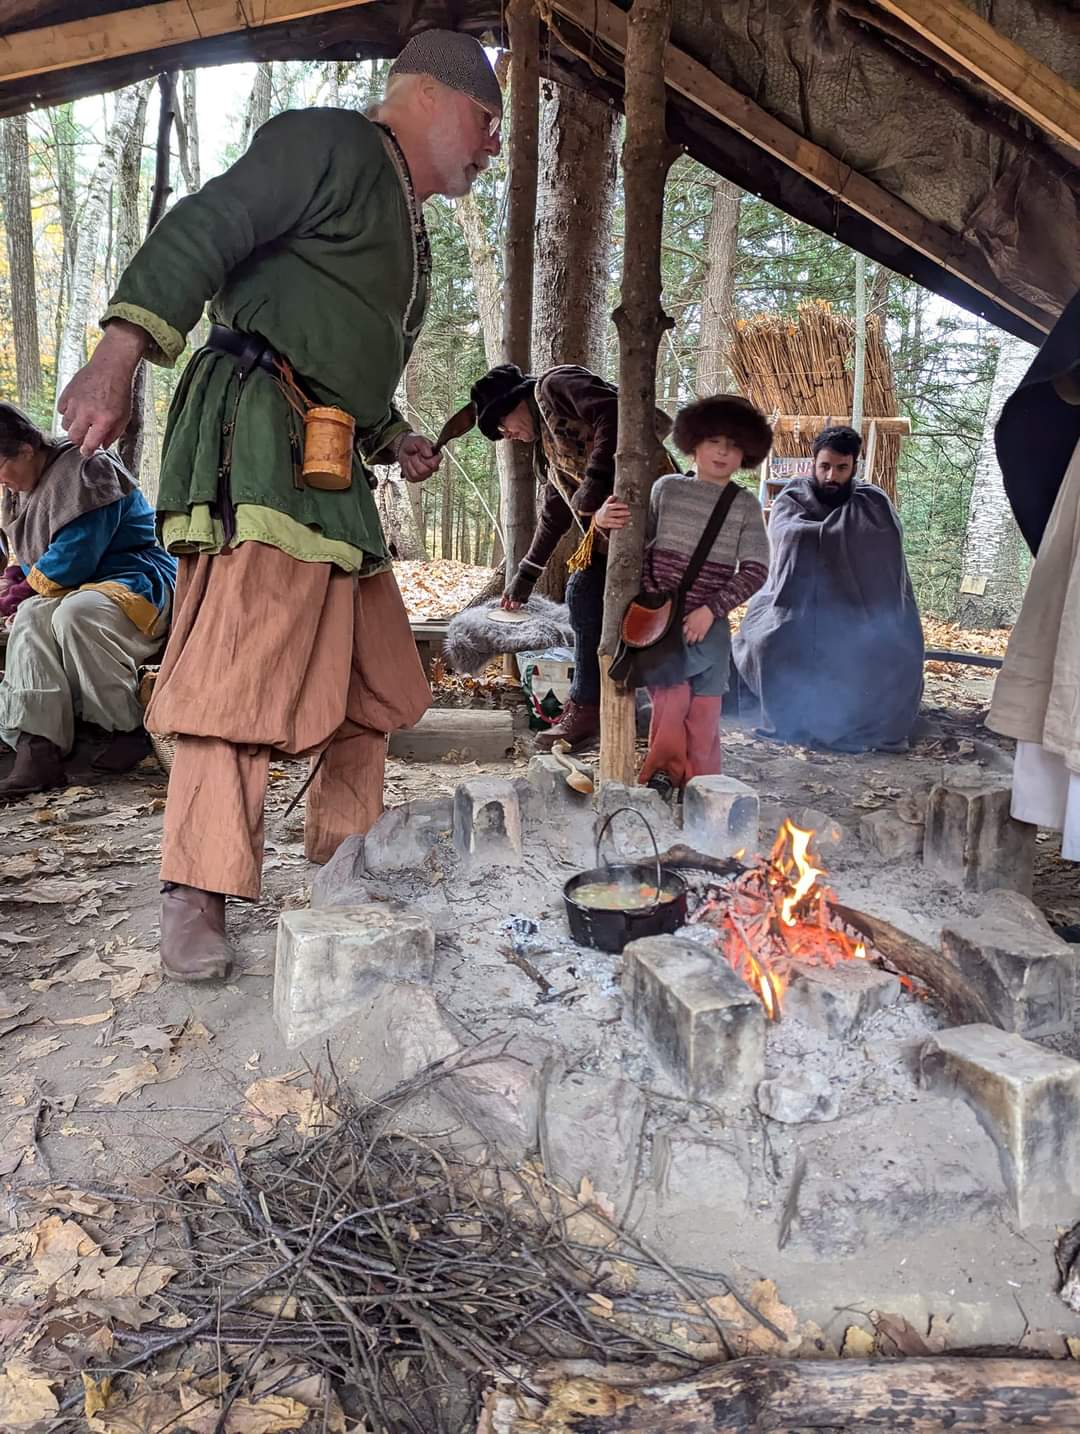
x=776 y=914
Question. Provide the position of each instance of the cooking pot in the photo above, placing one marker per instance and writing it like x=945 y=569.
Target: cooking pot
x=611 y=930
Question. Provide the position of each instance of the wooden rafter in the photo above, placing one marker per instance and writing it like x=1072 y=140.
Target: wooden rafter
x=145 y=28
x=1023 y=82
x=605 y=23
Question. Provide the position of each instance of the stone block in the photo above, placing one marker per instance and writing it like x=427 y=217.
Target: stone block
x=704 y=1023
x=460 y=734
x=701 y=1179
x=891 y=835
x=1028 y=1099
x=972 y=839
x=487 y=822
x=841 y=999
x=392 y=1037
x=829 y=836
x=1025 y=972
x=592 y=1128
x=329 y=963
x=626 y=837
x=721 y=816
x=547 y=776
x=497 y=1089
x=405 y=836
x=344 y=872
x=900 y=1173
x=793 y=1100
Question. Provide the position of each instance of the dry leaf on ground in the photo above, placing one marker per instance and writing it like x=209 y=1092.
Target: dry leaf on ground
x=896 y=1336
x=129 y=1080
x=90 y=968
x=268 y=1101
x=35 y=1050
x=54 y=891
x=274 y=1414
x=141 y=975
x=858 y=1343
x=96 y=1018
x=158 y=1039
x=26 y=1396
x=748 y=1337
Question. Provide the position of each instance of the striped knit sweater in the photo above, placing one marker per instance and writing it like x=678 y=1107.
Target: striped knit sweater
x=738 y=564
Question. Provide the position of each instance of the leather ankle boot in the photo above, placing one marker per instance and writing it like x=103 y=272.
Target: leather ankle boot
x=194 y=946
x=578 y=724
x=38 y=767
x=123 y=751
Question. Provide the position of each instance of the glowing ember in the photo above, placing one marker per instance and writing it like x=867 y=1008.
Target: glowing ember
x=775 y=914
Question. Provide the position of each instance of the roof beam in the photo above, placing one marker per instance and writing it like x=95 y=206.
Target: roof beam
x=602 y=21
x=147 y=27
x=1023 y=82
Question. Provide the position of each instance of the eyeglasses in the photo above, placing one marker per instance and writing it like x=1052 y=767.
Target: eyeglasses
x=494 y=122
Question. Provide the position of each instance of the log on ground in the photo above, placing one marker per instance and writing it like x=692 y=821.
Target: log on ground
x=753 y=1396
x=462 y=732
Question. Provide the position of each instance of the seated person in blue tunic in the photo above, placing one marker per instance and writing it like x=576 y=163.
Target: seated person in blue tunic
x=93 y=589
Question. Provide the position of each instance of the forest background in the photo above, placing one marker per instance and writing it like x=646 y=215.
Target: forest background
x=77 y=183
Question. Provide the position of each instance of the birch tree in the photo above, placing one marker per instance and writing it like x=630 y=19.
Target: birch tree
x=19 y=226
x=73 y=336
x=995 y=565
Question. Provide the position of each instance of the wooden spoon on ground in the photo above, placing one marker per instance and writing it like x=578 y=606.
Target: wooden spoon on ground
x=578 y=780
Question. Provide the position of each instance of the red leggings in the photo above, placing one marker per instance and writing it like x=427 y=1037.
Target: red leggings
x=684 y=735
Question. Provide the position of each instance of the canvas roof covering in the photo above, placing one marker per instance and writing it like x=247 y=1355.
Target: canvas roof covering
x=910 y=158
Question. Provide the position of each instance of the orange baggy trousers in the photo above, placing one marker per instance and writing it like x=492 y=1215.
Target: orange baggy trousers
x=684 y=735
x=269 y=655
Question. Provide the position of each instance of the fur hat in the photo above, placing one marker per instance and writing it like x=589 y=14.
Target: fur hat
x=725 y=415
x=455 y=60
x=501 y=389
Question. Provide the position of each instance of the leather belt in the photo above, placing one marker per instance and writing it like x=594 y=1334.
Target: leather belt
x=249 y=350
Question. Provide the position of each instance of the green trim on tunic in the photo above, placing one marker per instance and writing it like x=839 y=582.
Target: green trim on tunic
x=306 y=241
x=199 y=532
x=168 y=344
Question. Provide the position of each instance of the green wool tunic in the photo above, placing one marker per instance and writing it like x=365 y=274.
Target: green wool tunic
x=306 y=241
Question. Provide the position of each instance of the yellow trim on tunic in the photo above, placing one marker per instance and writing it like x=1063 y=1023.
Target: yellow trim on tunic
x=167 y=343
x=43 y=586
x=139 y=609
x=199 y=532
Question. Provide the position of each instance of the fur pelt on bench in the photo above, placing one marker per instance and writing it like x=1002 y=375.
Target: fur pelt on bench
x=473 y=639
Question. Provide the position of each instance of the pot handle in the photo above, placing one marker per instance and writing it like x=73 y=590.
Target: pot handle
x=652 y=837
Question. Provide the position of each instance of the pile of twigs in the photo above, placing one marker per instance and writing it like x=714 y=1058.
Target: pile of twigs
x=411 y=1281
x=807 y=368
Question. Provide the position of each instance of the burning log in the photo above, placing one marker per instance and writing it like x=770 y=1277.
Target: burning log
x=750 y=1396
x=777 y=912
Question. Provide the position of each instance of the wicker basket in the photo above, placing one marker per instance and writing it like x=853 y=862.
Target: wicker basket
x=164 y=747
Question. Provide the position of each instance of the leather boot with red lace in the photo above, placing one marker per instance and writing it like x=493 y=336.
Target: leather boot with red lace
x=194 y=946
x=579 y=723
x=38 y=767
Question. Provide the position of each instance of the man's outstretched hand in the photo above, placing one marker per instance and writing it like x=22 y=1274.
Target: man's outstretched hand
x=417 y=457
x=96 y=404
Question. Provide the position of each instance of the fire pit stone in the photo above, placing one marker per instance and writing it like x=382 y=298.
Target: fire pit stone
x=627 y=836
x=487 y=822
x=973 y=840
x=891 y=835
x=721 y=816
x=547 y=776
x=704 y=1023
x=793 y=1100
x=839 y=1000
x=864 y=1181
x=330 y=962
x=591 y=1126
x=1025 y=972
x=1028 y=1098
x=497 y=1090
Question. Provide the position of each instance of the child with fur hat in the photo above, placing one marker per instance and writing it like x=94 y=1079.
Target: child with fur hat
x=721 y=434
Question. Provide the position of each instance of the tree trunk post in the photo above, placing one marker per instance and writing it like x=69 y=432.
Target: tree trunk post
x=858 y=388
x=714 y=345
x=523 y=27
x=19 y=226
x=131 y=443
x=640 y=322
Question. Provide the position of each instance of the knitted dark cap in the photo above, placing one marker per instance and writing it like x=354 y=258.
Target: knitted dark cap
x=455 y=60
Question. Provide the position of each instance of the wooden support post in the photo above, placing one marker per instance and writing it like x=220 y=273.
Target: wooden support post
x=871 y=452
x=523 y=27
x=749 y=1396
x=640 y=321
x=131 y=443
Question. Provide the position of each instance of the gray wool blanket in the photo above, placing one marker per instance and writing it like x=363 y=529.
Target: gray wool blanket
x=473 y=639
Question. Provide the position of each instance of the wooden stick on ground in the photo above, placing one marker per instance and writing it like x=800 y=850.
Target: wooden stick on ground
x=640 y=321
x=752 y=1396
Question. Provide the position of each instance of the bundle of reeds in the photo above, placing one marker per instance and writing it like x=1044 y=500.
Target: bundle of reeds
x=806 y=368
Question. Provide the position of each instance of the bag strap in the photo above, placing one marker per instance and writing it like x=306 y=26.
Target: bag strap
x=708 y=537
